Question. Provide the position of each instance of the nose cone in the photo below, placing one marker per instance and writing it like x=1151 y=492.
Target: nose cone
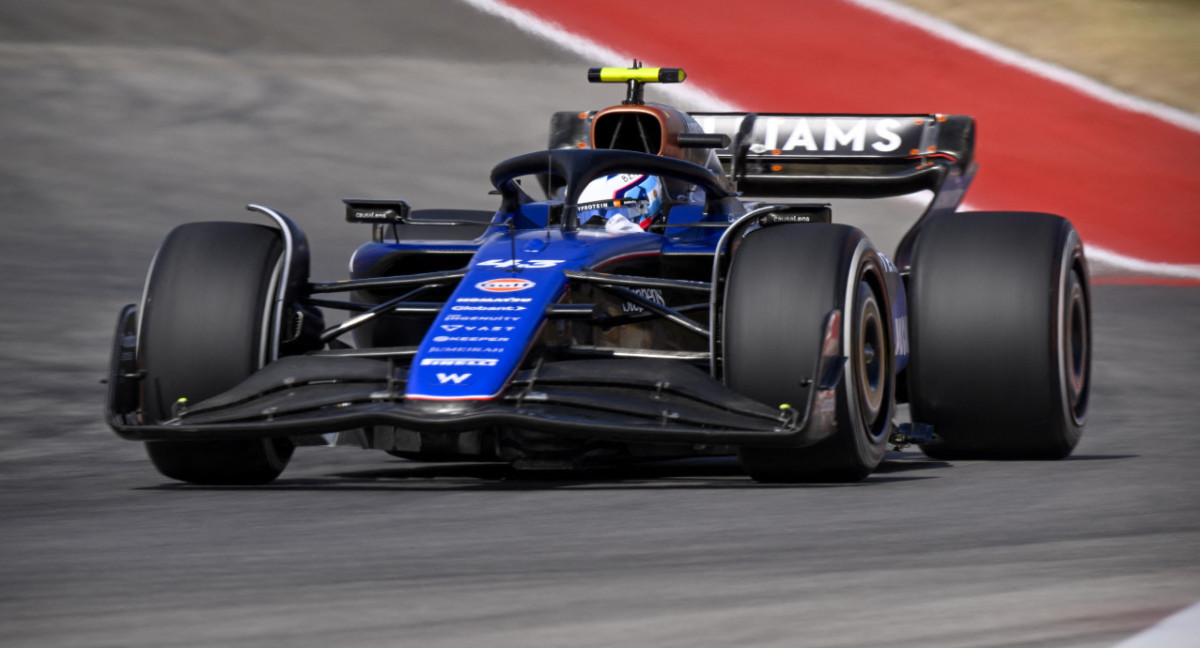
x=443 y=407
x=481 y=336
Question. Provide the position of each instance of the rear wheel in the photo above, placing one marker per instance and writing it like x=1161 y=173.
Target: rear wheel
x=1001 y=335
x=783 y=282
x=205 y=326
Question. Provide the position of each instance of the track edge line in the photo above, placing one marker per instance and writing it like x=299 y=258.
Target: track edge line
x=1051 y=71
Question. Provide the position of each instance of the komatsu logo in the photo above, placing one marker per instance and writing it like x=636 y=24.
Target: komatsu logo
x=827 y=135
x=830 y=135
x=505 y=285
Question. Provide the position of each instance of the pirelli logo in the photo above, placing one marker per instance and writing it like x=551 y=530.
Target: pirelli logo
x=459 y=362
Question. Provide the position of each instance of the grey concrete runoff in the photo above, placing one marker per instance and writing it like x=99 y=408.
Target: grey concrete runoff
x=121 y=120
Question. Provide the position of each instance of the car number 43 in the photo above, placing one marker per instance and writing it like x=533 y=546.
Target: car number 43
x=528 y=264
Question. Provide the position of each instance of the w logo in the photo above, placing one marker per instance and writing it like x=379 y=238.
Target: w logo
x=455 y=378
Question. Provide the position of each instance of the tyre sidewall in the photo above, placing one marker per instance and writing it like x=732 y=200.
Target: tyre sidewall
x=204 y=326
x=819 y=267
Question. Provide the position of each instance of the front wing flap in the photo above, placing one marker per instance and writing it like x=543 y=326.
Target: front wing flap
x=625 y=400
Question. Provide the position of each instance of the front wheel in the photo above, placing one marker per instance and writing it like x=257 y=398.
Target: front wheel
x=783 y=282
x=205 y=326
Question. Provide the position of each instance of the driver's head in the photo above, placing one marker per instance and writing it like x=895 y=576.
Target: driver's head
x=636 y=198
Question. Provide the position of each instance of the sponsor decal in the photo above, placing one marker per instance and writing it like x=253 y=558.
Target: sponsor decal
x=524 y=264
x=455 y=378
x=492 y=329
x=837 y=135
x=888 y=266
x=507 y=284
x=459 y=362
x=479 y=318
x=446 y=338
x=652 y=294
x=827 y=406
x=494 y=300
x=901 y=335
x=488 y=308
x=376 y=211
x=466 y=349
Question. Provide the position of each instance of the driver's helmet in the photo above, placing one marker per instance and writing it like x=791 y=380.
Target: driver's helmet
x=621 y=202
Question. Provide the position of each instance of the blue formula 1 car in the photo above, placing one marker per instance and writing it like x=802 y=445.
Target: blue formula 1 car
x=626 y=302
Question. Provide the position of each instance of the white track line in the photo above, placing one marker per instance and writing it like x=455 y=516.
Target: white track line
x=693 y=95
x=1105 y=262
x=702 y=99
x=1102 y=257
x=1180 y=630
x=1088 y=86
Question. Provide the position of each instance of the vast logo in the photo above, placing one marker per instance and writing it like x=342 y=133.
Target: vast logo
x=492 y=329
x=505 y=285
x=455 y=378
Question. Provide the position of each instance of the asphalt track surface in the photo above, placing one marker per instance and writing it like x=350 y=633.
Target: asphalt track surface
x=119 y=121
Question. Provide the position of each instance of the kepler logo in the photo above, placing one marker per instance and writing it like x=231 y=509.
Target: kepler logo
x=494 y=300
x=479 y=318
x=505 y=285
x=487 y=308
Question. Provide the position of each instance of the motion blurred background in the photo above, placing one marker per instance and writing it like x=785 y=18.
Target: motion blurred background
x=121 y=119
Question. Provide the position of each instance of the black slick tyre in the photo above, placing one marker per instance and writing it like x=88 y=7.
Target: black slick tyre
x=204 y=328
x=783 y=282
x=1000 y=326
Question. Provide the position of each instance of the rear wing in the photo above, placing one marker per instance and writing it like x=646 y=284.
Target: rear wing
x=797 y=155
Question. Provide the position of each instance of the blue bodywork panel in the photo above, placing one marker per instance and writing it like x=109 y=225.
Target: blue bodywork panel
x=478 y=341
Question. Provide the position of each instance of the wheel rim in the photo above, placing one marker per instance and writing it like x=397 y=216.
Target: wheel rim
x=1075 y=350
x=870 y=359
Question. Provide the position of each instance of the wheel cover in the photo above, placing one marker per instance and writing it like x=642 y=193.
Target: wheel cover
x=1075 y=347
x=870 y=358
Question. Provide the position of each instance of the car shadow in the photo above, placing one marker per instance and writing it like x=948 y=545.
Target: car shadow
x=898 y=462
x=682 y=474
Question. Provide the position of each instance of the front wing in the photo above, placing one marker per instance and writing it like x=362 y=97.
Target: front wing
x=632 y=400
